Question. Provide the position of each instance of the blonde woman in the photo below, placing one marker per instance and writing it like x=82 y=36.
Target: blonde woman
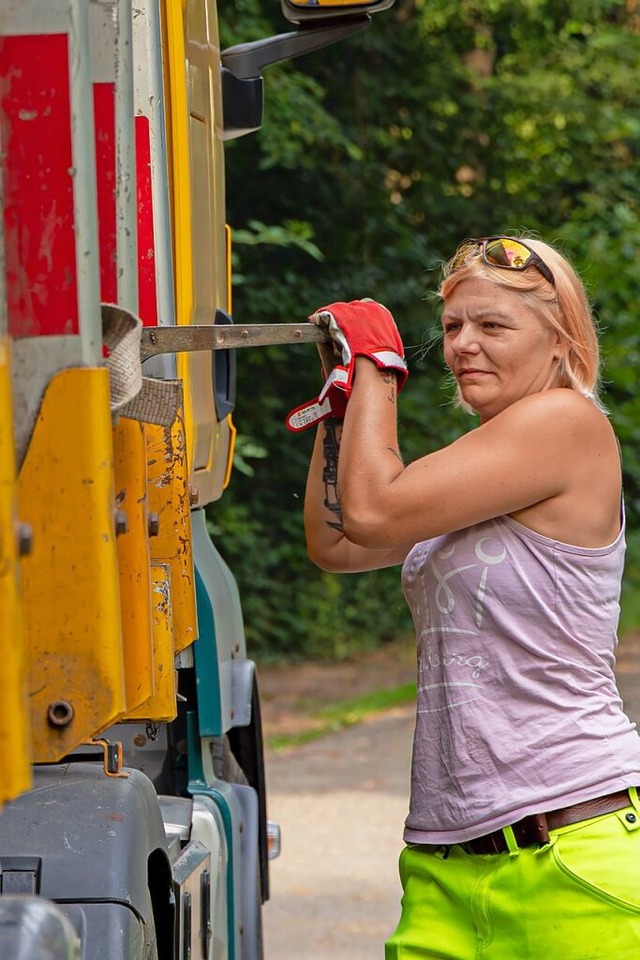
x=523 y=833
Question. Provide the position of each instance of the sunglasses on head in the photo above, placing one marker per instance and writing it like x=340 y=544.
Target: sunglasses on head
x=504 y=252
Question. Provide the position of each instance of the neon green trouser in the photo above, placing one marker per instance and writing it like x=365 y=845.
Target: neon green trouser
x=576 y=898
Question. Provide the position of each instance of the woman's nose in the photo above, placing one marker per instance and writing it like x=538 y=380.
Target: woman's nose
x=466 y=341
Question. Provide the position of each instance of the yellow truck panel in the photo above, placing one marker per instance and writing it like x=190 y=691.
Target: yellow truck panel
x=134 y=559
x=161 y=705
x=15 y=769
x=195 y=151
x=70 y=586
x=169 y=499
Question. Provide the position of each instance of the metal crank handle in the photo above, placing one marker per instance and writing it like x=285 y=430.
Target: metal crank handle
x=191 y=339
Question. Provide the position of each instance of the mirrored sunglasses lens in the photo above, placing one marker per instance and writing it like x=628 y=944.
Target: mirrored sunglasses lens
x=508 y=253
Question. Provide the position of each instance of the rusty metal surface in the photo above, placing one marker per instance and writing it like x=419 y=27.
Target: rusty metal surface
x=169 y=498
x=158 y=340
x=161 y=706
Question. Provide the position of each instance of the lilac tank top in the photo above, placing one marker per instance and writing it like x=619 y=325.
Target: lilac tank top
x=518 y=709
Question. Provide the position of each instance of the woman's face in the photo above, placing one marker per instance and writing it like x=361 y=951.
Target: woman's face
x=498 y=348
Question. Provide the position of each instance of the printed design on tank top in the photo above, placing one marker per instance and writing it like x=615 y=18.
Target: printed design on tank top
x=431 y=658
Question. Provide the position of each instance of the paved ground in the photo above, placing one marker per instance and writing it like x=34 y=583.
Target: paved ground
x=341 y=803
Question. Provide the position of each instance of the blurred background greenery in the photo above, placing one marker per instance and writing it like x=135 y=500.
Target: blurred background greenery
x=445 y=119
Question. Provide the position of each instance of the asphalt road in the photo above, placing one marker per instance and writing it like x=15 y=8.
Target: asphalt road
x=341 y=803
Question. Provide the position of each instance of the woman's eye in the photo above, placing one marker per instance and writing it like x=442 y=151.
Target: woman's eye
x=451 y=327
x=490 y=325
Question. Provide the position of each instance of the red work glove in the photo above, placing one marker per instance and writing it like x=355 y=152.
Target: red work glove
x=362 y=328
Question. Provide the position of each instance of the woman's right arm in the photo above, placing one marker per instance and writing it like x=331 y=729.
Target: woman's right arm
x=327 y=545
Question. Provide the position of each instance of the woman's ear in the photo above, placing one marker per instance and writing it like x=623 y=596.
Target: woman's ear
x=559 y=348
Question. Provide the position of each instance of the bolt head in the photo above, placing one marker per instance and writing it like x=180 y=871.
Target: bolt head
x=60 y=714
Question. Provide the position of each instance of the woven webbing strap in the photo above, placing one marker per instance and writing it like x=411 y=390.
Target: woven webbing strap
x=132 y=395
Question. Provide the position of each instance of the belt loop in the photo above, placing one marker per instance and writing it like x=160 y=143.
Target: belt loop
x=635 y=800
x=511 y=842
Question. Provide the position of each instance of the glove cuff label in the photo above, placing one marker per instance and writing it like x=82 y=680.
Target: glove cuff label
x=308 y=414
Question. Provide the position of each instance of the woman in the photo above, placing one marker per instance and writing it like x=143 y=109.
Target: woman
x=523 y=834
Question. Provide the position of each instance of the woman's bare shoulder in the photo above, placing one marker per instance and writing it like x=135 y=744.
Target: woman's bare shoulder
x=557 y=412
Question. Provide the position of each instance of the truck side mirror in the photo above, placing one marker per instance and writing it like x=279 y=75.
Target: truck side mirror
x=318 y=22
x=297 y=11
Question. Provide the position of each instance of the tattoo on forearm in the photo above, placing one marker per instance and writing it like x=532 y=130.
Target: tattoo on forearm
x=331 y=449
x=390 y=378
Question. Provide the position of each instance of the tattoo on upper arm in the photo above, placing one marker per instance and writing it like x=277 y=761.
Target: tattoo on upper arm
x=390 y=379
x=331 y=449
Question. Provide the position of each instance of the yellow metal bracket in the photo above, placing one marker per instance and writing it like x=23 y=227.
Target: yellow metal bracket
x=111 y=757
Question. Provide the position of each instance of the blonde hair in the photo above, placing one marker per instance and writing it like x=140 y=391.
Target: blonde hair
x=563 y=305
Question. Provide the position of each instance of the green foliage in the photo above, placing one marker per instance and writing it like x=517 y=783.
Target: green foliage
x=447 y=118
x=345 y=713
x=293 y=233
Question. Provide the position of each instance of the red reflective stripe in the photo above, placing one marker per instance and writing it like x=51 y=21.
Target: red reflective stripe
x=38 y=185
x=105 y=126
x=147 y=295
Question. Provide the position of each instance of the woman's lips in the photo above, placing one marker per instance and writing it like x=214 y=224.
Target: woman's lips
x=464 y=374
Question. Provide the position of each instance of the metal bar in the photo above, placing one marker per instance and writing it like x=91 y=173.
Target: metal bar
x=190 y=339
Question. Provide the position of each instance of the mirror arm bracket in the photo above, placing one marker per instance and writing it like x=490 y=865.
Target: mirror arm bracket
x=246 y=60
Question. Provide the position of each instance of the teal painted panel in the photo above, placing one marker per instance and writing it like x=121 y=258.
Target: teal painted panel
x=206 y=663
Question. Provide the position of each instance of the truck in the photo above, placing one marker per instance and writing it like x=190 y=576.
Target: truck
x=133 y=819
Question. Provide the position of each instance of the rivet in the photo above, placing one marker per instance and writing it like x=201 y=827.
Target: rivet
x=630 y=817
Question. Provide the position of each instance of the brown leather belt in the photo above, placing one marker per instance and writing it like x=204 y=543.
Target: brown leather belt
x=535 y=829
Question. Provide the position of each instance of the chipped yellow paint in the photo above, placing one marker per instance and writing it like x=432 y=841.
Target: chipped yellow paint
x=134 y=558
x=161 y=706
x=15 y=770
x=169 y=498
x=71 y=582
